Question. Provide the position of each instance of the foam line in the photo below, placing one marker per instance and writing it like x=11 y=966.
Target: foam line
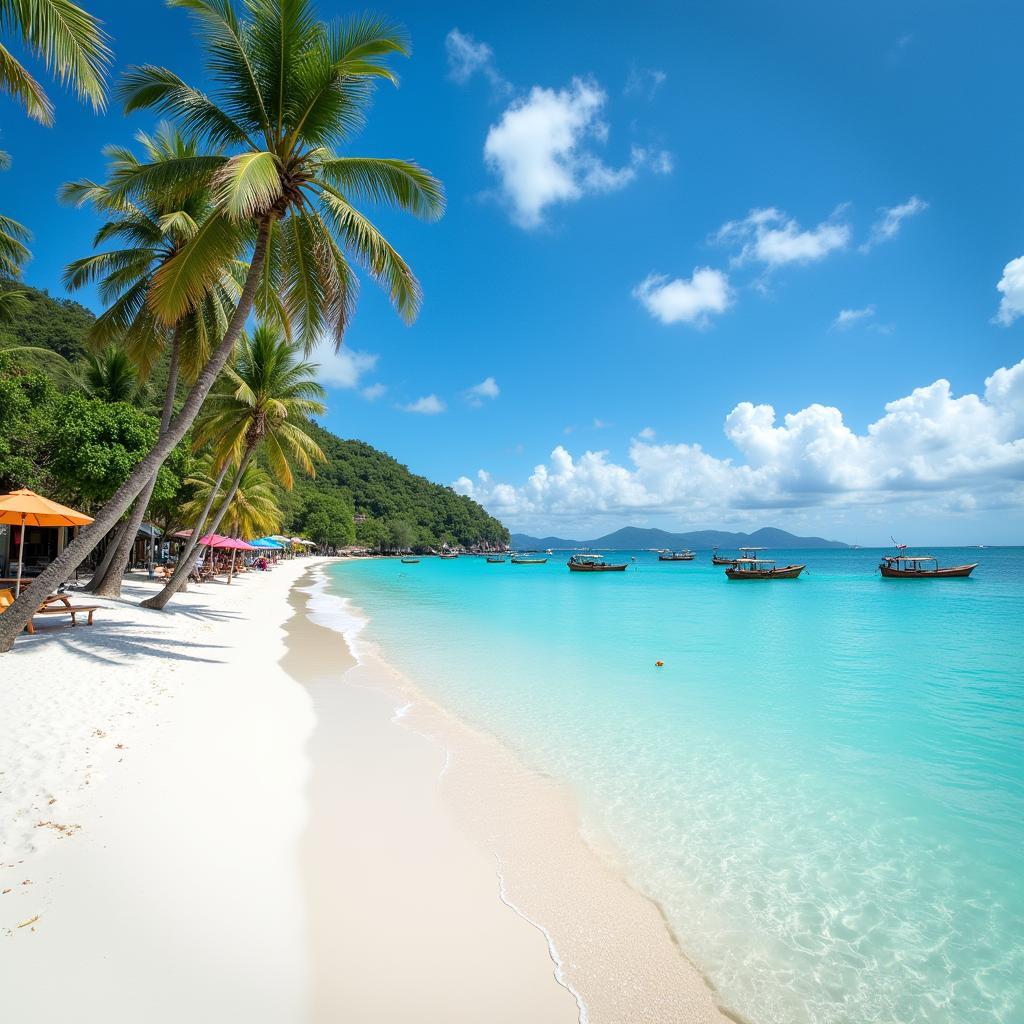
x=552 y=950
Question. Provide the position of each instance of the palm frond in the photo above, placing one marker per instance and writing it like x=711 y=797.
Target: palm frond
x=14 y=252
x=18 y=83
x=398 y=183
x=248 y=184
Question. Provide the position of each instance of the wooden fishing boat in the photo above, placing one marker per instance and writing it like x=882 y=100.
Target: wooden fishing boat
x=676 y=556
x=496 y=559
x=762 y=569
x=448 y=554
x=593 y=563
x=717 y=559
x=519 y=560
x=409 y=560
x=914 y=567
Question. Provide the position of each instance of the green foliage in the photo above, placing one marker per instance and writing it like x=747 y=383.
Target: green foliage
x=326 y=517
x=45 y=322
x=386 y=493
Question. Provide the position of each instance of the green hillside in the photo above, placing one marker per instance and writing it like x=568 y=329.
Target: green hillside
x=78 y=448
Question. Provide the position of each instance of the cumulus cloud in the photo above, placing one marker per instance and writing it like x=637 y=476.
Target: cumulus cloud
x=428 y=405
x=685 y=300
x=374 y=391
x=846 y=318
x=487 y=388
x=342 y=368
x=541 y=151
x=891 y=219
x=467 y=57
x=1011 y=285
x=648 y=433
x=966 y=451
x=771 y=237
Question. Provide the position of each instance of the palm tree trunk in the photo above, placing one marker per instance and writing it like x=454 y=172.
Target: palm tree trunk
x=108 y=582
x=183 y=567
x=14 y=620
x=179 y=578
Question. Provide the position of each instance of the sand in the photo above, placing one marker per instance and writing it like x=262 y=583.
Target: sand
x=216 y=813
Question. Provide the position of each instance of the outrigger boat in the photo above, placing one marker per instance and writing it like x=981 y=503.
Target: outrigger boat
x=594 y=563
x=751 y=567
x=676 y=556
x=902 y=566
x=717 y=559
x=519 y=560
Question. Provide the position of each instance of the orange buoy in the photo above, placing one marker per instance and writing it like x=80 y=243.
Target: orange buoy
x=660 y=664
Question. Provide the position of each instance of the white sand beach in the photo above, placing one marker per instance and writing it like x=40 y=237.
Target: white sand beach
x=215 y=814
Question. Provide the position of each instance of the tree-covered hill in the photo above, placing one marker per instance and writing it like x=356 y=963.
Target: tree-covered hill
x=359 y=495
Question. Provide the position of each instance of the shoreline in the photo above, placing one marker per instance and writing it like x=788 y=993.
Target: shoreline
x=611 y=945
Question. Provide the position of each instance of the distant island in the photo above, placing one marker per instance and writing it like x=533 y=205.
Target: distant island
x=636 y=538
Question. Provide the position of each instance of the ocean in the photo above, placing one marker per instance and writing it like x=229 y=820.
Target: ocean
x=823 y=786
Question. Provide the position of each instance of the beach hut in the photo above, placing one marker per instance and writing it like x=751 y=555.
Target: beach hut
x=23 y=509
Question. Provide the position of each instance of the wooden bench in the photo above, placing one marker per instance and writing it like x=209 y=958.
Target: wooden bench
x=49 y=607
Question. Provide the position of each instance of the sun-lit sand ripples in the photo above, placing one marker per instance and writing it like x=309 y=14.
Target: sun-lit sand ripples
x=823 y=787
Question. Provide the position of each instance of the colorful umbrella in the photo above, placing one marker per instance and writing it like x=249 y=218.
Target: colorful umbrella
x=26 y=508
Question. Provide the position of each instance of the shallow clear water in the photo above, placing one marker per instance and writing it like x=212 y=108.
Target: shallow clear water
x=823 y=786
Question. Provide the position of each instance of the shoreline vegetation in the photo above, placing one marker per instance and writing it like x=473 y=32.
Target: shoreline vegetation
x=259 y=778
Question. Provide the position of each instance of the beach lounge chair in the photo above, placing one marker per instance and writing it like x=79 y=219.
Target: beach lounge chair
x=56 y=605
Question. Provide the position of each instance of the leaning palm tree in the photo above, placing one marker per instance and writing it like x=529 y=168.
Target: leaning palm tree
x=149 y=232
x=70 y=43
x=260 y=403
x=289 y=90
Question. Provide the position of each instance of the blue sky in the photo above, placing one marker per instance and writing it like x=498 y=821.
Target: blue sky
x=655 y=225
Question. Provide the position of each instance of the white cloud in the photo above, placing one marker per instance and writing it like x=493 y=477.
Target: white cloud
x=644 y=82
x=967 y=452
x=600 y=424
x=428 y=405
x=374 y=391
x=648 y=434
x=467 y=57
x=344 y=368
x=892 y=217
x=771 y=237
x=539 y=151
x=682 y=300
x=487 y=388
x=1011 y=305
x=846 y=318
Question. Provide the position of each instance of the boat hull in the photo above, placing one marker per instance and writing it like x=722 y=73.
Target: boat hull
x=785 y=572
x=529 y=561
x=669 y=558
x=954 y=572
x=595 y=568
x=715 y=560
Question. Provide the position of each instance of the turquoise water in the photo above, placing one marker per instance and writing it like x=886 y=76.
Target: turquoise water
x=823 y=786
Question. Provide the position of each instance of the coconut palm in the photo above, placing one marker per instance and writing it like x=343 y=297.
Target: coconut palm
x=289 y=90
x=14 y=252
x=150 y=230
x=70 y=43
x=260 y=403
x=108 y=375
x=253 y=510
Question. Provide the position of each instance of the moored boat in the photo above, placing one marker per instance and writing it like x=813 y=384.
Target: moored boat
x=902 y=566
x=593 y=563
x=717 y=559
x=752 y=567
x=496 y=559
x=520 y=560
x=685 y=555
x=448 y=554
x=409 y=560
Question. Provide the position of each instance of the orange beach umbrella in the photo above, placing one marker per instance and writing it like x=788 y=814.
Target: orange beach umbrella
x=26 y=508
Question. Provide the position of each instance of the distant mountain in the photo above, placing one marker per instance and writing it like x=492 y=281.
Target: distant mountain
x=635 y=538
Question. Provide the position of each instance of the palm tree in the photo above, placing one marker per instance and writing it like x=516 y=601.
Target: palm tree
x=108 y=375
x=151 y=231
x=289 y=90
x=259 y=404
x=253 y=511
x=70 y=43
